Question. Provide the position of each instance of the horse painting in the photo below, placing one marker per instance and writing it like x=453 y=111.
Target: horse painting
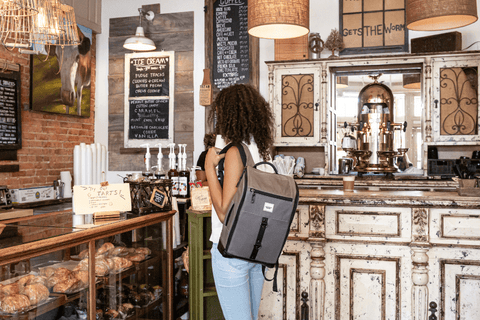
x=61 y=83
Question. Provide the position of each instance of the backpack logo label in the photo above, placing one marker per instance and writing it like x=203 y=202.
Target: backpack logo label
x=268 y=207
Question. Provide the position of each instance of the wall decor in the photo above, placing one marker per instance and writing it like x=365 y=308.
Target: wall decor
x=10 y=121
x=373 y=26
x=149 y=98
x=60 y=78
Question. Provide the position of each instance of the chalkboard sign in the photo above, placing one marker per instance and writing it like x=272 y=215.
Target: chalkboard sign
x=230 y=43
x=149 y=76
x=10 y=131
x=148 y=119
x=149 y=88
x=158 y=198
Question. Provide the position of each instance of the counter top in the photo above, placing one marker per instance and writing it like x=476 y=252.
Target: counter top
x=389 y=198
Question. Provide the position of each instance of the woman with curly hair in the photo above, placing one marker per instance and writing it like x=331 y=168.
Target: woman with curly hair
x=243 y=116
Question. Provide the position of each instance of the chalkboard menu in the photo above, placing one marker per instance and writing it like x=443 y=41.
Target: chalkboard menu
x=148 y=119
x=149 y=95
x=10 y=134
x=230 y=43
x=149 y=76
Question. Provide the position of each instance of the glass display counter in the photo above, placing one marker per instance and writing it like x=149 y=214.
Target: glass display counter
x=46 y=273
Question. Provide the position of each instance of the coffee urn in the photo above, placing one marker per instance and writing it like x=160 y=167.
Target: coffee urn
x=375 y=128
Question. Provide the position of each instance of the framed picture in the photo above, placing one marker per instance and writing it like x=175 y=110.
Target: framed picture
x=60 y=77
x=373 y=26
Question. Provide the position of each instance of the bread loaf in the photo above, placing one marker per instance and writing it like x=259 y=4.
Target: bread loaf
x=12 y=288
x=36 y=293
x=105 y=248
x=14 y=303
x=143 y=250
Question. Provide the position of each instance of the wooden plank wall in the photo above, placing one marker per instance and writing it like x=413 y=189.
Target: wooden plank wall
x=170 y=32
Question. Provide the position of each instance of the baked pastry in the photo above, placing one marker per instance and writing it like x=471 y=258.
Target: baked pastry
x=31 y=279
x=118 y=251
x=143 y=250
x=136 y=257
x=67 y=286
x=106 y=247
x=121 y=263
x=127 y=309
x=111 y=264
x=24 y=280
x=83 y=254
x=112 y=314
x=14 y=303
x=36 y=293
x=47 y=272
x=81 y=275
x=12 y=288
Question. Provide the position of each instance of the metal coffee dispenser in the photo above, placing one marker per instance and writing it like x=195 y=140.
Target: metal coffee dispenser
x=374 y=152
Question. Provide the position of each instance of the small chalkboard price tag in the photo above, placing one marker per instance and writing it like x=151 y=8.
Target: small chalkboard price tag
x=158 y=198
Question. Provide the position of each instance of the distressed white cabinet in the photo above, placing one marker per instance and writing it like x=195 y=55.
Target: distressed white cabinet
x=456 y=111
x=296 y=104
x=88 y=13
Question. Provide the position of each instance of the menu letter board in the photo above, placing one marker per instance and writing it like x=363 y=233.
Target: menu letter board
x=371 y=26
x=149 y=76
x=230 y=43
x=149 y=98
x=148 y=119
x=10 y=133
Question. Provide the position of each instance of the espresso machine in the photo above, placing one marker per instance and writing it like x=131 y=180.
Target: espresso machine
x=374 y=130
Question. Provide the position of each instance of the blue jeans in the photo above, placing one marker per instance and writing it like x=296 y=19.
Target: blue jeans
x=239 y=286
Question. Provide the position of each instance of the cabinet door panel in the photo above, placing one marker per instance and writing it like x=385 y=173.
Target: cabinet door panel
x=455 y=110
x=297 y=107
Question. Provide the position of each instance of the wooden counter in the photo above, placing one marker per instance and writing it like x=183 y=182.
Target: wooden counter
x=389 y=198
x=379 y=255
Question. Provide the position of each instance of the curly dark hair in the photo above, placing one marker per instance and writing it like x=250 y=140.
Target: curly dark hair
x=242 y=114
x=209 y=140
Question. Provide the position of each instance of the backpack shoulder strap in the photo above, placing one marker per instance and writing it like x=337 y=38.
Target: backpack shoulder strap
x=245 y=154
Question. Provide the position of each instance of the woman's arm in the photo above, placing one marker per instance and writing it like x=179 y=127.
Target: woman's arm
x=201 y=176
x=221 y=197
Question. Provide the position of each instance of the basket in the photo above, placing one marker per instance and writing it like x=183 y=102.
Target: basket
x=141 y=193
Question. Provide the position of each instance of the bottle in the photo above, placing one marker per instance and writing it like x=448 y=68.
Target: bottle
x=147 y=171
x=173 y=173
x=159 y=172
x=183 y=174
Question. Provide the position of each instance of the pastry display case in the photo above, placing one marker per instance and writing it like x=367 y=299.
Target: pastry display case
x=46 y=271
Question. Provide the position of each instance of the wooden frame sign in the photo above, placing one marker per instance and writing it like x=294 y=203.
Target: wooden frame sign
x=149 y=98
x=373 y=26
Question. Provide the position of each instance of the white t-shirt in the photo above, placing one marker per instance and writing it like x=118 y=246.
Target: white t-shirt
x=216 y=223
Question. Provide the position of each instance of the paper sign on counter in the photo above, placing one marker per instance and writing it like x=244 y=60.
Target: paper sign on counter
x=95 y=198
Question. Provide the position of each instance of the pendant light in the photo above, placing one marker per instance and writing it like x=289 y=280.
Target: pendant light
x=278 y=19
x=342 y=82
x=139 y=42
x=411 y=81
x=16 y=22
x=433 y=15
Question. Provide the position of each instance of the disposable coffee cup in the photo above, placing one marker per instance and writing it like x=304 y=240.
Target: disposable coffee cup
x=219 y=142
x=348 y=183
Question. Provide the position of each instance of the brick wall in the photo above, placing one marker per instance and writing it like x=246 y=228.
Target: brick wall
x=47 y=139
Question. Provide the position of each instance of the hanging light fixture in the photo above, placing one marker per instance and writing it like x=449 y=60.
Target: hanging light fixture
x=278 y=19
x=68 y=25
x=16 y=22
x=342 y=82
x=139 y=42
x=411 y=81
x=432 y=15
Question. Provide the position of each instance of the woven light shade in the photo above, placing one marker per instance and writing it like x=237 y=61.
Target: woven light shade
x=342 y=82
x=16 y=22
x=411 y=81
x=432 y=15
x=68 y=25
x=278 y=19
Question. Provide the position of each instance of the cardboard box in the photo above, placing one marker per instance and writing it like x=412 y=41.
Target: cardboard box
x=27 y=195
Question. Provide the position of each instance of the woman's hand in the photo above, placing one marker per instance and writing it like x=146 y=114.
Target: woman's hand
x=213 y=157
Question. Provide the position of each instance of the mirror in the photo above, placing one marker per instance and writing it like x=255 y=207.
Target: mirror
x=405 y=85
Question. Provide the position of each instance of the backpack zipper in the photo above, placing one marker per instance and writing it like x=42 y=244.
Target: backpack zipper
x=268 y=194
